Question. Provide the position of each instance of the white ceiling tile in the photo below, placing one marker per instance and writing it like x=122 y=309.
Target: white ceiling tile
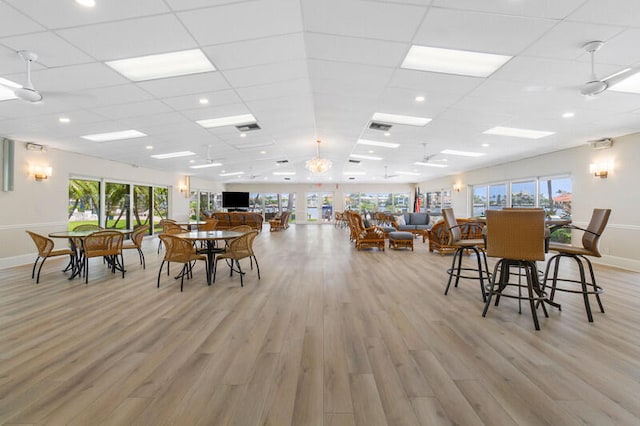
x=52 y=50
x=65 y=13
x=612 y=12
x=264 y=74
x=185 y=85
x=553 y=9
x=13 y=22
x=113 y=40
x=243 y=21
x=95 y=98
x=355 y=50
x=134 y=109
x=196 y=4
x=275 y=90
x=261 y=51
x=221 y=97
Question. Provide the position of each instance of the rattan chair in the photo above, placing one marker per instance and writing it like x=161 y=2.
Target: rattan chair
x=180 y=251
x=209 y=225
x=238 y=249
x=463 y=245
x=106 y=244
x=45 y=250
x=517 y=238
x=590 y=247
x=136 y=243
x=241 y=228
x=163 y=223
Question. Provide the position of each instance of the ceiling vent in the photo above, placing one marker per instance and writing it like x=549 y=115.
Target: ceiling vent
x=602 y=143
x=354 y=161
x=282 y=161
x=376 y=125
x=248 y=127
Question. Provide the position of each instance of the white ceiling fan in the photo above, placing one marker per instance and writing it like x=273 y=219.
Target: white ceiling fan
x=26 y=92
x=595 y=86
x=386 y=173
x=428 y=160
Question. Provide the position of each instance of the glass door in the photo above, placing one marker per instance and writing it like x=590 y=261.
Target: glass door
x=117 y=205
x=142 y=206
x=319 y=207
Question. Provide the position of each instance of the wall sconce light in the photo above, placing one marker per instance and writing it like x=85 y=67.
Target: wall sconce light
x=40 y=173
x=184 y=186
x=600 y=170
x=457 y=187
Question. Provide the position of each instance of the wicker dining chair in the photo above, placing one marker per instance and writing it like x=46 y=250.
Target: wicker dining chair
x=590 y=247
x=180 y=251
x=106 y=244
x=136 y=243
x=45 y=250
x=517 y=238
x=238 y=249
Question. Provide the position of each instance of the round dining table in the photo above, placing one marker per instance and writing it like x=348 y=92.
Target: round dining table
x=210 y=238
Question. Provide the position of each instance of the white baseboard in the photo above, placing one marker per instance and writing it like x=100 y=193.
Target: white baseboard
x=617 y=262
x=24 y=259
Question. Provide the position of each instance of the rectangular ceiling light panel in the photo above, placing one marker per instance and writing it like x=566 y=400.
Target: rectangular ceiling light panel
x=422 y=163
x=163 y=65
x=366 y=157
x=376 y=143
x=173 y=155
x=450 y=61
x=284 y=173
x=114 y=136
x=400 y=119
x=204 y=166
x=462 y=153
x=231 y=174
x=517 y=133
x=406 y=173
x=233 y=120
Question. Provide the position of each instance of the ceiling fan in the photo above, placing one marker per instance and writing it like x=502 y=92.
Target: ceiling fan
x=386 y=173
x=595 y=86
x=26 y=92
x=427 y=160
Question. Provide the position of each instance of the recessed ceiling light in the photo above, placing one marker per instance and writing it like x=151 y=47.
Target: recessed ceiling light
x=173 y=155
x=400 y=119
x=630 y=84
x=227 y=121
x=163 y=65
x=421 y=163
x=387 y=133
x=568 y=114
x=64 y=120
x=450 y=61
x=231 y=174
x=243 y=135
x=203 y=101
x=366 y=157
x=485 y=145
x=517 y=133
x=204 y=166
x=407 y=173
x=86 y=3
x=114 y=136
x=462 y=153
x=284 y=173
x=192 y=161
x=149 y=147
x=376 y=143
x=371 y=151
x=264 y=152
x=419 y=98
x=354 y=173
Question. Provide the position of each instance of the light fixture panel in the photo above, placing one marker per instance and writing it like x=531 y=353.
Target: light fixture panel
x=114 y=136
x=163 y=65
x=451 y=61
x=400 y=119
x=517 y=133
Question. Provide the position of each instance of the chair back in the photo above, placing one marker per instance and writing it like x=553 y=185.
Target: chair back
x=455 y=234
x=251 y=239
x=103 y=243
x=242 y=228
x=240 y=247
x=177 y=249
x=173 y=228
x=88 y=227
x=44 y=244
x=591 y=238
x=515 y=234
x=209 y=225
x=138 y=235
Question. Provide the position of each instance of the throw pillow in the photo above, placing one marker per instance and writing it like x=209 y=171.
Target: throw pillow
x=400 y=220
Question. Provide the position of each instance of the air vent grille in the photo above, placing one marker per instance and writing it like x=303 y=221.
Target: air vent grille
x=376 y=125
x=248 y=127
x=282 y=161
x=355 y=161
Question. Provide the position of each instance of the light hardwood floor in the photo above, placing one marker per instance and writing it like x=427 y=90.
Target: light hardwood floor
x=327 y=336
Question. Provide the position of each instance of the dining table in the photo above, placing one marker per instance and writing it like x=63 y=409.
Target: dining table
x=77 y=263
x=191 y=225
x=210 y=238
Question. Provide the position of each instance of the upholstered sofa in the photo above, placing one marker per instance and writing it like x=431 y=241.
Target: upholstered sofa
x=412 y=222
x=227 y=220
x=439 y=234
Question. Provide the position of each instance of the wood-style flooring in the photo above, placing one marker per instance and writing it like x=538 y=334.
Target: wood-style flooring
x=328 y=336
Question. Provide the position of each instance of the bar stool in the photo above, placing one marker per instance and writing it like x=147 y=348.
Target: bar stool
x=517 y=238
x=590 y=240
x=461 y=245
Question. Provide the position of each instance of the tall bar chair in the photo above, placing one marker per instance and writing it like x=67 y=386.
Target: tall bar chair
x=590 y=247
x=461 y=245
x=517 y=238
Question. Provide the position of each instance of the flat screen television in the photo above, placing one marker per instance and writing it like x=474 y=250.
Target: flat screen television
x=235 y=200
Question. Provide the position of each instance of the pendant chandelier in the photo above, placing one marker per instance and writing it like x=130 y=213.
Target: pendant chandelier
x=318 y=165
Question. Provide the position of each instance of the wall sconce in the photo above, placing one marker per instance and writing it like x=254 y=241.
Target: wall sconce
x=600 y=170
x=184 y=186
x=457 y=187
x=40 y=173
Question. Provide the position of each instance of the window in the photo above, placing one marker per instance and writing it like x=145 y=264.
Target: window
x=160 y=207
x=401 y=202
x=555 y=198
x=479 y=205
x=523 y=194
x=84 y=202
x=142 y=196
x=288 y=203
x=498 y=196
x=117 y=203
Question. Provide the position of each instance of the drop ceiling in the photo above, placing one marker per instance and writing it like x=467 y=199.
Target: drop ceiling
x=312 y=70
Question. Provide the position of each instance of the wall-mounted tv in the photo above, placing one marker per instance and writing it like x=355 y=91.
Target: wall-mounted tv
x=235 y=200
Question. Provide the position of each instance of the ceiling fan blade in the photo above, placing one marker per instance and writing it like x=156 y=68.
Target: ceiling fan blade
x=618 y=77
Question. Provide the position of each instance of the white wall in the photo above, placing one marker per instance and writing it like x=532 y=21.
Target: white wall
x=619 y=192
x=42 y=206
